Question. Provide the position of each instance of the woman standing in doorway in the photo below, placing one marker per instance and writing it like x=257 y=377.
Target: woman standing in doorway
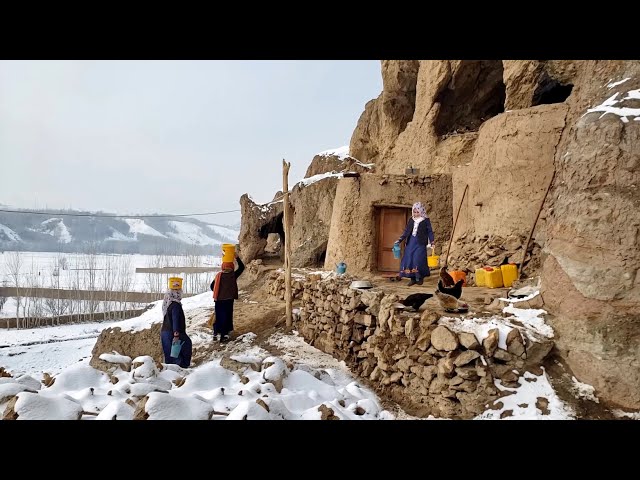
x=418 y=234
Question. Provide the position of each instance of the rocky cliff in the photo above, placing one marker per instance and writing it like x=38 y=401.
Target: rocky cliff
x=503 y=128
x=312 y=202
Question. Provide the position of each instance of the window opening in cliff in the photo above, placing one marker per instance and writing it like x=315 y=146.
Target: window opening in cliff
x=273 y=226
x=475 y=93
x=550 y=91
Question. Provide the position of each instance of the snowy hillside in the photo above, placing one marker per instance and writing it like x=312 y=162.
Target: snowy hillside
x=31 y=232
x=56 y=228
x=8 y=235
x=137 y=225
x=190 y=233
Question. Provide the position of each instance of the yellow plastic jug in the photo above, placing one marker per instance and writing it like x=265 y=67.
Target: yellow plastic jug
x=228 y=252
x=509 y=274
x=175 y=283
x=493 y=277
x=481 y=279
x=433 y=260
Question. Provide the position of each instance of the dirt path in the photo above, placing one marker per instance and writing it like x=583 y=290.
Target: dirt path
x=255 y=311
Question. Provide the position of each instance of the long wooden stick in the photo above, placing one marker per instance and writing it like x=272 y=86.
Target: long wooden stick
x=446 y=260
x=524 y=254
x=287 y=241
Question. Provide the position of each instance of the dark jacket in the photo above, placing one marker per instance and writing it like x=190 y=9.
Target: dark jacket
x=174 y=319
x=424 y=235
x=228 y=287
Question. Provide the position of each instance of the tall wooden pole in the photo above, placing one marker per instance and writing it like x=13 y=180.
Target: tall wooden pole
x=446 y=259
x=287 y=241
x=533 y=227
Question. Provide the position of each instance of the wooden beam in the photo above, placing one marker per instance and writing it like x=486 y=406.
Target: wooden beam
x=177 y=269
x=391 y=205
x=135 y=297
x=287 y=241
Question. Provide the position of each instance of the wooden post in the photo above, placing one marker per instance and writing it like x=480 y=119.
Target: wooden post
x=526 y=247
x=446 y=259
x=287 y=241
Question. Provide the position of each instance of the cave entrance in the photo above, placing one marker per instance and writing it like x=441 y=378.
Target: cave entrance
x=475 y=93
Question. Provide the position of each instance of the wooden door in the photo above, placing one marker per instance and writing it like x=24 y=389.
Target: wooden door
x=391 y=224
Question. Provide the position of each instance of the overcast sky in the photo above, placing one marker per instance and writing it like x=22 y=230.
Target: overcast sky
x=170 y=136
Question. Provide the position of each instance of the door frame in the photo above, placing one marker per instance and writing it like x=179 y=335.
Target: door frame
x=377 y=207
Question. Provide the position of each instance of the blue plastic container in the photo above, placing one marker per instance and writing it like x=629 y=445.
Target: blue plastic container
x=341 y=268
x=175 y=348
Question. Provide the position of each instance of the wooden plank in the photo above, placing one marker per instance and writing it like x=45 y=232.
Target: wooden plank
x=177 y=269
x=74 y=318
x=96 y=295
x=287 y=242
x=446 y=258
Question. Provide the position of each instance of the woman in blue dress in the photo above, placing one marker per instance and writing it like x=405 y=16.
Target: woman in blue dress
x=418 y=234
x=174 y=329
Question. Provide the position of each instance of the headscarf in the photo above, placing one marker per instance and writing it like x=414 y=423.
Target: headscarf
x=418 y=206
x=227 y=267
x=170 y=296
x=416 y=221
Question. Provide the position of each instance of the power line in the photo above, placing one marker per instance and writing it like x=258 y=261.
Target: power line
x=114 y=216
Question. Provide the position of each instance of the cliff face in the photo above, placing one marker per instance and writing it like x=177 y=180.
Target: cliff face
x=590 y=276
x=311 y=202
x=503 y=128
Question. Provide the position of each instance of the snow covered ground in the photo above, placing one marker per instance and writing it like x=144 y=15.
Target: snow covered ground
x=110 y=272
x=40 y=266
x=52 y=349
x=289 y=387
x=301 y=383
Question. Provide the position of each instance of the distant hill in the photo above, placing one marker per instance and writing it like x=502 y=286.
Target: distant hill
x=54 y=232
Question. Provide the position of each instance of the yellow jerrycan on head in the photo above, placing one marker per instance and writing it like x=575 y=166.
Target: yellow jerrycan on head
x=228 y=252
x=175 y=283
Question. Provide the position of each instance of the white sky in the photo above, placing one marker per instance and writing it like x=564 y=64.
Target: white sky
x=170 y=136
